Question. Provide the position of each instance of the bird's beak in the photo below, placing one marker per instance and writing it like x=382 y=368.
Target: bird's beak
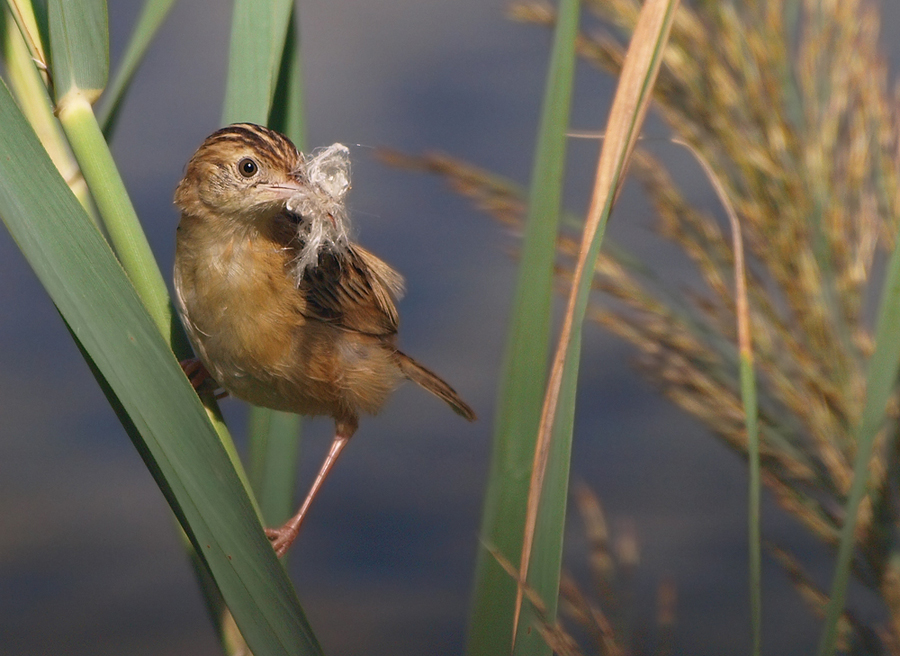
x=283 y=191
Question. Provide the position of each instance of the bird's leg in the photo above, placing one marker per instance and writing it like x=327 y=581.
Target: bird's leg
x=283 y=537
x=198 y=374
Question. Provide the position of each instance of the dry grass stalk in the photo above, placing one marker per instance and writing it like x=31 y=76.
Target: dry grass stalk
x=559 y=640
x=630 y=103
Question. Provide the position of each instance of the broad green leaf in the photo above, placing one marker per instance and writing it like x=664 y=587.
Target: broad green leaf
x=151 y=19
x=79 y=48
x=258 y=29
x=152 y=396
x=491 y=620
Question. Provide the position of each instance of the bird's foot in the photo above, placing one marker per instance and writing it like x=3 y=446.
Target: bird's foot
x=282 y=538
x=198 y=374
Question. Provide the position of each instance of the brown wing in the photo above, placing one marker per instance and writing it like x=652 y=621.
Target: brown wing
x=355 y=291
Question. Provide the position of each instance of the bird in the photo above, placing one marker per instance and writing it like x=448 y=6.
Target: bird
x=282 y=308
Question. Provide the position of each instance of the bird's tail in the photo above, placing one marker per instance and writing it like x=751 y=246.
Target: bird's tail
x=433 y=383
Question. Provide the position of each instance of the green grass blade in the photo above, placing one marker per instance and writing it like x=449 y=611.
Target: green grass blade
x=33 y=99
x=79 y=57
x=79 y=48
x=151 y=19
x=212 y=597
x=880 y=381
x=748 y=394
x=258 y=31
x=274 y=446
x=541 y=542
x=288 y=112
x=748 y=398
x=546 y=557
x=99 y=304
x=751 y=414
x=116 y=210
x=32 y=28
x=525 y=362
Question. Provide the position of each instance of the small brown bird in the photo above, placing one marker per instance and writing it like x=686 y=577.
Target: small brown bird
x=282 y=309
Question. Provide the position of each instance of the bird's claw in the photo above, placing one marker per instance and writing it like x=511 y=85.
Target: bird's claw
x=281 y=539
x=196 y=372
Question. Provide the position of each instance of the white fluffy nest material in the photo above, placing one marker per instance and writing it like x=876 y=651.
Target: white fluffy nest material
x=324 y=222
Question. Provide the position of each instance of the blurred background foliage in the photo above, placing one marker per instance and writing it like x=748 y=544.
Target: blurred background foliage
x=792 y=105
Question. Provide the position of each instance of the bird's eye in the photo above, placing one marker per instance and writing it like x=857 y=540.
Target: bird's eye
x=248 y=167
